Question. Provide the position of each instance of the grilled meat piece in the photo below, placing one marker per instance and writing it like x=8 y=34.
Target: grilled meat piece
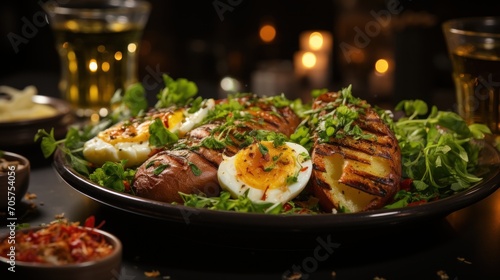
x=169 y=172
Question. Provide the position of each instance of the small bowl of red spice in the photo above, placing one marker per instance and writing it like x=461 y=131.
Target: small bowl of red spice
x=61 y=250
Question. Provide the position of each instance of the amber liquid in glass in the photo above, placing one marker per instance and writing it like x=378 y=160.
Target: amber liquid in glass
x=97 y=59
x=477 y=80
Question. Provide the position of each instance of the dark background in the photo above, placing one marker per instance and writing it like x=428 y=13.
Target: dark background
x=191 y=39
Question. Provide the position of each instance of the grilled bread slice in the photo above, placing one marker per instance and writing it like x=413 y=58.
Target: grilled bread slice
x=356 y=157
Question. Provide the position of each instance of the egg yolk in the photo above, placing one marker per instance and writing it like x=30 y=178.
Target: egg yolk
x=175 y=118
x=138 y=132
x=263 y=166
x=126 y=132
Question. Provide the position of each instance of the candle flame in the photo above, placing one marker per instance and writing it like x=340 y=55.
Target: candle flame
x=105 y=66
x=308 y=59
x=132 y=47
x=267 y=33
x=381 y=66
x=93 y=65
x=315 y=41
x=118 y=55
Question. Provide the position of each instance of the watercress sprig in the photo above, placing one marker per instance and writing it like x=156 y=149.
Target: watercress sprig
x=242 y=204
x=132 y=103
x=179 y=92
x=71 y=145
x=439 y=152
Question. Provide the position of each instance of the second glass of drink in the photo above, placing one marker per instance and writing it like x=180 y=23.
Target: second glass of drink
x=98 y=44
x=474 y=48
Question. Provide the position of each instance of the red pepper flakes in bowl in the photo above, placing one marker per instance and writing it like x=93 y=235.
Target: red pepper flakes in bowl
x=60 y=250
x=59 y=243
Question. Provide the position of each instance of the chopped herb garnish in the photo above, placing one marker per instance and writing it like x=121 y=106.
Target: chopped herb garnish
x=159 y=169
x=195 y=169
x=291 y=179
x=263 y=149
x=336 y=119
x=151 y=163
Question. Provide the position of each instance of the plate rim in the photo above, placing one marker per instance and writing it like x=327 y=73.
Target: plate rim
x=268 y=222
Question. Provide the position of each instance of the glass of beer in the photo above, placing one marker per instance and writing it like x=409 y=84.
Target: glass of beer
x=474 y=48
x=98 y=42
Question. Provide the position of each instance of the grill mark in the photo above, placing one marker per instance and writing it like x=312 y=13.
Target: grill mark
x=269 y=118
x=283 y=119
x=353 y=177
x=326 y=149
x=291 y=120
x=365 y=181
x=321 y=183
x=254 y=124
x=205 y=159
x=179 y=156
x=266 y=120
x=317 y=167
x=356 y=158
x=198 y=134
x=373 y=190
x=364 y=146
x=371 y=177
x=346 y=152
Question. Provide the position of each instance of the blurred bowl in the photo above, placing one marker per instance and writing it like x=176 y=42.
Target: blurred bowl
x=14 y=179
x=23 y=132
x=105 y=268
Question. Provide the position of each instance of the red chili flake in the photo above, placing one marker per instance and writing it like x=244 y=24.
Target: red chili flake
x=405 y=184
x=127 y=185
x=420 y=202
x=90 y=222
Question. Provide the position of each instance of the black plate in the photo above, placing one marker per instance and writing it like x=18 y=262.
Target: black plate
x=490 y=162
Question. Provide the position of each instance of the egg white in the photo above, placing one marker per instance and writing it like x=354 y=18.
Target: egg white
x=228 y=179
x=99 y=151
x=193 y=119
x=137 y=150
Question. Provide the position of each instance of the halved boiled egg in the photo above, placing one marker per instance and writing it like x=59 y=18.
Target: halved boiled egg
x=129 y=140
x=267 y=172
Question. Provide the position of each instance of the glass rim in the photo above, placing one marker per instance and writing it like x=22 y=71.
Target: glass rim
x=455 y=26
x=114 y=8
